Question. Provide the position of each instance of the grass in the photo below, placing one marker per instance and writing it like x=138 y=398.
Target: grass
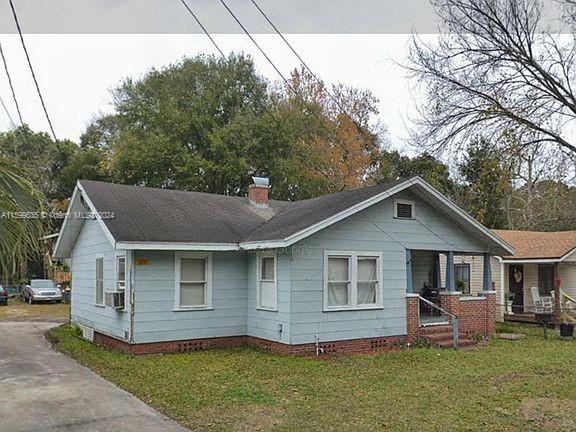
x=20 y=311
x=525 y=385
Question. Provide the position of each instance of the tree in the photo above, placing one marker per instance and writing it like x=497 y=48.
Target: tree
x=487 y=180
x=393 y=165
x=497 y=70
x=208 y=124
x=20 y=220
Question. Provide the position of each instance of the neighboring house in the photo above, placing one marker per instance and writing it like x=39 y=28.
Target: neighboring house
x=539 y=259
x=164 y=270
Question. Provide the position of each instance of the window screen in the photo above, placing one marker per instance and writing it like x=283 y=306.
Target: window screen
x=192 y=282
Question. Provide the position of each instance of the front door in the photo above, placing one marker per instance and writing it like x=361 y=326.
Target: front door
x=516 y=287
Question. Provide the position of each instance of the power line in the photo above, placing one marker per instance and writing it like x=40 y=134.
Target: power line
x=203 y=28
x=266 y=110
x=32 y=69
x=258 y=46
x=11 y=85
x=7 y=113
x=303 y=63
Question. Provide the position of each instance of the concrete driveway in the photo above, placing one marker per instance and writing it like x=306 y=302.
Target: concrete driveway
x=43 y=390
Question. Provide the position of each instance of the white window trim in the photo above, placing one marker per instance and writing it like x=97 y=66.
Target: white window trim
x=127 y=276
x=259 y=256
x=96 y=258
x=207 y=294
x=353 y=275
x=403 y=201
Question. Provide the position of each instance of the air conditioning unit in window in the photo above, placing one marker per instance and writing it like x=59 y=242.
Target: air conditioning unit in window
x=115 y=299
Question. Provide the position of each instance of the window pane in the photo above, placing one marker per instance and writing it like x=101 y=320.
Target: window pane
x=268 y=294
x=337 y=293
x=367 y=269
x=267 y=268
x=193 y=269
x=366 y=292
x=99 y=268
x=338 y=269
x=121 y=268
x=192 y=294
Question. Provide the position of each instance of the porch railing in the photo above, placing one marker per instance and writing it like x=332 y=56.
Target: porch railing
x=436 y=311
x=568 y=306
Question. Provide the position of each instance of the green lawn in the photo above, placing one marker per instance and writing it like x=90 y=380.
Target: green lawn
x=527 y=385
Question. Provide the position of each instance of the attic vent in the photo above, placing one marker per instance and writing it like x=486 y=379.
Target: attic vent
x=404 y=209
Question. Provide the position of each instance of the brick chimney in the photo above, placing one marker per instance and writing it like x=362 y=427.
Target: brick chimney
x=258 y=192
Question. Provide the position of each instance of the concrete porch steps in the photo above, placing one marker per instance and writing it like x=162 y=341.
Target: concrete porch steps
x=442 y=336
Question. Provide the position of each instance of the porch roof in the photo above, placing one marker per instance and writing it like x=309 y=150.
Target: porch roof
x=534 y=245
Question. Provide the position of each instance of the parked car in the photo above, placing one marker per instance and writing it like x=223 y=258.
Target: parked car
x=41 y=290
x=3 y=296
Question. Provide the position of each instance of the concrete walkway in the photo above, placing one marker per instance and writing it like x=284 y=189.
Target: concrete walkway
x=43 y=390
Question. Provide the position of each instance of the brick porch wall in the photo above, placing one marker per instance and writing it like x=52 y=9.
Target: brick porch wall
x=477 y=315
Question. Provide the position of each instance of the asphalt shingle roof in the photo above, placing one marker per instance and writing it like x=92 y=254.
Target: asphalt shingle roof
x=144 y=214
x=535 y=244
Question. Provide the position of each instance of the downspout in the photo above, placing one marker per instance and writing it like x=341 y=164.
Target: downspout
x=132 y=295
x=502 y=298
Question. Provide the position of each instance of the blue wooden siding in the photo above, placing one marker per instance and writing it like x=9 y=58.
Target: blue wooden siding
x=90 y=242
x=374 y=229
x=263 y=323
x=154 y=289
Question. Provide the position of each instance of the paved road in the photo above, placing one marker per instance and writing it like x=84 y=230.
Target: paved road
x=43 y=390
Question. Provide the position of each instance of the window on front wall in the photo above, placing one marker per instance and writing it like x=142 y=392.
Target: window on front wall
x=267 y=285
x=193 y=287
x=352 y=281
x=462 y=277
x=100 y=281
x=120 y=273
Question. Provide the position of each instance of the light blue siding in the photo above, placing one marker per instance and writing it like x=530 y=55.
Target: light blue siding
x=263 y=323
x=154 y=291
x=90 y=242
x=374 y=229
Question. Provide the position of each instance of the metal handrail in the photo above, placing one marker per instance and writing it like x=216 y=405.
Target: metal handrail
x=435 y=306
x=455 y=321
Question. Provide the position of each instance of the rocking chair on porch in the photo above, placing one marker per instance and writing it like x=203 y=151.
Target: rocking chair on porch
x=542 y=304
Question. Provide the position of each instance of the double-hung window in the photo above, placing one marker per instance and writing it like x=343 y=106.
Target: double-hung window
x=462 y=277
x=99 y=281
x=121 y=273
x=352 y=280
x=193 y=281
x=267 y=282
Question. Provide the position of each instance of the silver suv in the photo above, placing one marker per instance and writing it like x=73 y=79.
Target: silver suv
x=41 y=290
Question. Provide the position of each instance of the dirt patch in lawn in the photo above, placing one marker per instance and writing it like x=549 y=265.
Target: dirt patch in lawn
x=550 y=413
x=246 y=418
x=20 y=311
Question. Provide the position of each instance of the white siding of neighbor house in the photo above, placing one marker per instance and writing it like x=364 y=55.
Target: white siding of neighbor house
x=92 y=241
x=567 y=272
x=156 y=319
x=374 y=229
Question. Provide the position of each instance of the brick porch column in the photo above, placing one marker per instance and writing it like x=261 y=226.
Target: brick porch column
x=450 y=301
x=412 y=317
x=490 y=312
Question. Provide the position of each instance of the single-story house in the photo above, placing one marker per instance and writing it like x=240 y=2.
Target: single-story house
x=540 y=258
x=156 y=270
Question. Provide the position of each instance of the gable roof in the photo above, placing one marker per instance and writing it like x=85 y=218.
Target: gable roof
x=539 y=245
x=148 y=218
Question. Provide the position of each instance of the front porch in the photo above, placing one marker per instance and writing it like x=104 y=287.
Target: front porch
x=441 y=304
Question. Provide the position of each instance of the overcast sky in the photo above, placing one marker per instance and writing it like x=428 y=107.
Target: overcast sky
x=76 y=71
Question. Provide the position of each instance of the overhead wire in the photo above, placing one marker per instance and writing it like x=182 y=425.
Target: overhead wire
x=17 y=22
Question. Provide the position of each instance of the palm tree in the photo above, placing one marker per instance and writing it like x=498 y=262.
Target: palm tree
x=21 y=225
